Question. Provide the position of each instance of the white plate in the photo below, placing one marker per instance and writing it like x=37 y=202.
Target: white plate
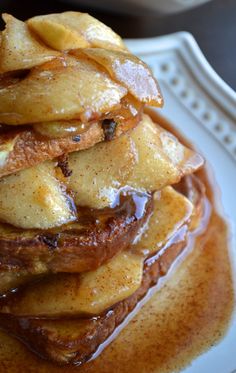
x=201 y=105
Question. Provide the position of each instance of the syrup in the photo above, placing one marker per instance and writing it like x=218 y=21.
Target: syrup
x=189 y=313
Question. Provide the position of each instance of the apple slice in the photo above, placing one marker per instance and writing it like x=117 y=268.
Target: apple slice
x=130 y=71
x=162 y=159
x=60 y=128
x=73 y=30
x=75 y=294
x=98 y=172
x=171 y=211
x=19 y=48
x=33 y=198
x=11 y=280
x=61 y=89
x=146 y=158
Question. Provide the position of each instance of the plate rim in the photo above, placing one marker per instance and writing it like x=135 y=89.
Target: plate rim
x=215 y=101
x=178 y=40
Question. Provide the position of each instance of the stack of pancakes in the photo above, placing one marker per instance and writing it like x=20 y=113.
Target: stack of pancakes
x=89 y=219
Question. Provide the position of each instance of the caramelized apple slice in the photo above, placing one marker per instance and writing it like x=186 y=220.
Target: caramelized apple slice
x=147 y=158
x=171 y=211
x=162 y=159
x=72 y=30
x=33 y=198
x=98 y=172
x=11 y=280
x=130 y=71
x=60 y=128
x=61 y=89
x=89 y=293
x=19 y=48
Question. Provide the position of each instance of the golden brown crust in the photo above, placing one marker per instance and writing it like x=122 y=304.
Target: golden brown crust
x=74 y=249
x=30 y=148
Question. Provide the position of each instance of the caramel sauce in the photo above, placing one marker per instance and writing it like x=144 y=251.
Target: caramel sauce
x=189 y=314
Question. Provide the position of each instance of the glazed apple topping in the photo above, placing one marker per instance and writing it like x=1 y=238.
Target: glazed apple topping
x=90 y=217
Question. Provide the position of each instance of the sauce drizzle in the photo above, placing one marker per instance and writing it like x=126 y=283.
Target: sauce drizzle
x=189 y=314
